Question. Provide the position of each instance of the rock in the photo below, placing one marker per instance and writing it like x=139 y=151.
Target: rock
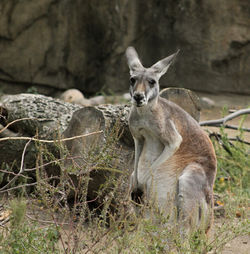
x=81 y=44
x=76 y=96
x=73 y=43
x=126 y=96
x=214 y=47
x=97 y=100
x=207 y=103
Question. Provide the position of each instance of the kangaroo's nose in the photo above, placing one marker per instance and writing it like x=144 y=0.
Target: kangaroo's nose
x=138 y=97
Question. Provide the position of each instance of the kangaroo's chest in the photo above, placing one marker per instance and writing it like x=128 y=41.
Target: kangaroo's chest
x=150 y=151
x=157 y=181
x=152 y=147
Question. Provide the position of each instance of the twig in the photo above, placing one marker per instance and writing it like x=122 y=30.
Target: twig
x=21 y=167
x=22 y=159
x=50 y=141
x=219 y=139
x=6 y=133
x=25 y=185
x=22 y=119
x=60 y=235
x=46 y=221
x=19 y=186
x=51 y=162
x=222 y=121
x=13 y=173
x=239 y=140
x=233 y=127
x=97 y=241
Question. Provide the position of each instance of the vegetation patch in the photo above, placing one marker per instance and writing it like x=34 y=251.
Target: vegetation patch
x=58 y=216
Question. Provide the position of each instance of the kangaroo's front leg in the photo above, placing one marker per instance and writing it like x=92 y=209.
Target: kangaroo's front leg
x=171 y=140
x=134 y=176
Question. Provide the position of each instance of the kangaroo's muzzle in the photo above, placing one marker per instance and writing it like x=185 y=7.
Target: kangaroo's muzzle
x=139 y=99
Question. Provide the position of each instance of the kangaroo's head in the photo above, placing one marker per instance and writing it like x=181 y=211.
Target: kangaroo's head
x=144 y=82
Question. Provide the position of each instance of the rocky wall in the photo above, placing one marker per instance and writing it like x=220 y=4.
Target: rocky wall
x=63 y=44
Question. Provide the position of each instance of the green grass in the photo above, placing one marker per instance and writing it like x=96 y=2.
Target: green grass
x=233 y=162
x=23 y=236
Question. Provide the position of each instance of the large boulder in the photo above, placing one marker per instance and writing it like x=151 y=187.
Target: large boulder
x=213 y=36
x=63 y=44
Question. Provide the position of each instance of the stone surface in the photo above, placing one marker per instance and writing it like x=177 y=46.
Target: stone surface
x=207 y=103
x=76 y=96
x=65 y=44
x=80 y=44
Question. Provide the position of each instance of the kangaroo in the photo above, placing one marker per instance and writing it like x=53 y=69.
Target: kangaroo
x=175 y=162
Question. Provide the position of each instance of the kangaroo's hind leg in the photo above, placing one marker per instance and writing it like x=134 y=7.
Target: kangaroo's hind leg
x=194 y=199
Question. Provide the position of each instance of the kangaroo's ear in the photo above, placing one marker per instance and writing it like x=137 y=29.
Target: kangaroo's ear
x=162 y=66
x=133 y=60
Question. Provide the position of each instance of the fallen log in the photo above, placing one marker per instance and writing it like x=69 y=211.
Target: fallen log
x=39 y=119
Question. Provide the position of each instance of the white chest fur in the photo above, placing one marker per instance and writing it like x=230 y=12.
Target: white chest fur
x=157 y=181
x=151 y=150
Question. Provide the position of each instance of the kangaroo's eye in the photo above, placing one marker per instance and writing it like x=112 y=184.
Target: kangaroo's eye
x=151 y=81
x=132 y=81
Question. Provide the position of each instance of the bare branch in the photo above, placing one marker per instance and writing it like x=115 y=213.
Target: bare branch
x=239 y=140
x=25 y=185
x=46 y=221
x=233 y=127
x=50 y=141
x=22 y=159
x=17 y=187
x=13 y=173
x=6 y=133
x=21 y=168
x=51 y=162
x=222 y=121
x=19 y=120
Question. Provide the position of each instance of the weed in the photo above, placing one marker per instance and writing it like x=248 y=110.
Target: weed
x=78 y=215
x=25 y=237
x=233 y=165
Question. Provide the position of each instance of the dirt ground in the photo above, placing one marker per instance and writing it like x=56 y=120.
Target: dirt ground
x=240 y=245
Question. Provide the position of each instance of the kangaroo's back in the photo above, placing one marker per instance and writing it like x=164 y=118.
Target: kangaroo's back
x=196 y=145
